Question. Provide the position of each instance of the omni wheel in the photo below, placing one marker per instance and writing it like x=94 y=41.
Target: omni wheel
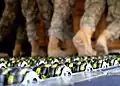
x=30 y=77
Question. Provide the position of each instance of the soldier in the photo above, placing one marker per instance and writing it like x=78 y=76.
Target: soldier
x=93 y=11
x=57 y=19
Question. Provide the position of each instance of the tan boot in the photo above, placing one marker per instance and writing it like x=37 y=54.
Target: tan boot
x=82 y=42
x=54 y=48
x=36 y=51
x=68 y=47
x=102 y=42
x=17 y=49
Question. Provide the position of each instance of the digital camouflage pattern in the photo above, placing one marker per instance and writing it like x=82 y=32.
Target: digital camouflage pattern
x=61 y=23
x=10 y=21
x=113 y=18
x=56 y=15
x=94 y=10
x=29 y=10
x=92 y=14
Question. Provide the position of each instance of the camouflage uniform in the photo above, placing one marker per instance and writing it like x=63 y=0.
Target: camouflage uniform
x=58 y=21
x=94 y=10
x=9 y=22
x=113 y=18
x=30 y=11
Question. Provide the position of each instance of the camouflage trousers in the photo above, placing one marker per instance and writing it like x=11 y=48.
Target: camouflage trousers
x=93 y=11
x=12 y=21
x=56 y=15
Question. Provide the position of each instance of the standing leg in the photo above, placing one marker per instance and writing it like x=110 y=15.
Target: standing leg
x=58 y=29
x=82 y=40
x=30 y=11
x=8 y=22
x=112 y=32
